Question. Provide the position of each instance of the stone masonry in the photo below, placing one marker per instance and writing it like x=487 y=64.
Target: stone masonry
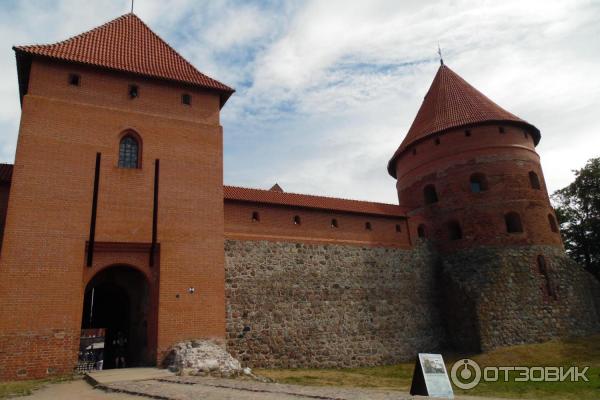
x=309 y=305
x=497 y=296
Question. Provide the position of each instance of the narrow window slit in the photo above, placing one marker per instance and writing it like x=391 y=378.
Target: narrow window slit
x=133 y=91
x=513 y=223
x=74 y=79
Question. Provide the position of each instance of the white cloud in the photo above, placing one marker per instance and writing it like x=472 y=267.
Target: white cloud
x=238 y=27
x=328 y=89
x=533 y=58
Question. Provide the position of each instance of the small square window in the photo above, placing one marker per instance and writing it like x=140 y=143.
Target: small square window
x=437 y=141
x=186 y=99
x=74 y=79
x=133 y=91
x=414 y=151
x=501 y=129
x=468 y=133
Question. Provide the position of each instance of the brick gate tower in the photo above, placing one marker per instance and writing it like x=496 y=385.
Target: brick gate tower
x=469 y=172
x=117 y=187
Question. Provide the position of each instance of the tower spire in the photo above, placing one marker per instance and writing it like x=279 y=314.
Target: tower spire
x=440 y=53
x=132 y=1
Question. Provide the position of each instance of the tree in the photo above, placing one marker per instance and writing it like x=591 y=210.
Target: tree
x=578 y=212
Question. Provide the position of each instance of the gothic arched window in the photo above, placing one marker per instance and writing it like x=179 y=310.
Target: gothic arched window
x=129 y=152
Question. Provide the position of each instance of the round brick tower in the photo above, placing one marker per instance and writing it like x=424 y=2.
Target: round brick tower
x=469 y=172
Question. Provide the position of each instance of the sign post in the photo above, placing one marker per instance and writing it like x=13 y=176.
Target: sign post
x=430 y=377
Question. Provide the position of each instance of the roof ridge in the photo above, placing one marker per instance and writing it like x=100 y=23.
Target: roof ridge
x=172 y=48
x=310 y=195
x=72 y=38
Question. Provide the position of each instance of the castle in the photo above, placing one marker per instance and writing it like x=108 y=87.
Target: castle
x=115 y=216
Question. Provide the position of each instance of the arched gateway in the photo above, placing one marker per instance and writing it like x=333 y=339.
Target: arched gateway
x=118 y=303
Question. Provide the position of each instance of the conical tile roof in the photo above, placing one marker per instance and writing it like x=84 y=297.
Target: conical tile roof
x=127 y=44
x=451 y=102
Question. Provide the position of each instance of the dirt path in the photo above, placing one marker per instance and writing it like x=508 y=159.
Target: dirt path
x=76 y=390
x=212 y=389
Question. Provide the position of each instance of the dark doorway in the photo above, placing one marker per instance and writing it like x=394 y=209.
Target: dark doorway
x=117 y=300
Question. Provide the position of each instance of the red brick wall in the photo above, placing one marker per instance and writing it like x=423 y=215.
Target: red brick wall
x=277 y=224
x=505 y=159
x=4 y=192
x=42 y=269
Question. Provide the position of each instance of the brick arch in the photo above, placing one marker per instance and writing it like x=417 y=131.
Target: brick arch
x=130 y=131
x=144 y=271
x=131 y=292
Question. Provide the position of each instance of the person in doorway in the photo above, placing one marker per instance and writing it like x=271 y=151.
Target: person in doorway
x=100 y=360
x=120 y=345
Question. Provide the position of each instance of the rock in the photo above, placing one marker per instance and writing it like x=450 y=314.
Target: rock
x=173 y=368
x=202 y=358
x=247 y=371
x=187 y=372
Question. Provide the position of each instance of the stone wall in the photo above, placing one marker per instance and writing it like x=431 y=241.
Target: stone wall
x=310 y=305
x=498 y=296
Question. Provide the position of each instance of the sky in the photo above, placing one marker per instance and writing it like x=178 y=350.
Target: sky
x=326 y=90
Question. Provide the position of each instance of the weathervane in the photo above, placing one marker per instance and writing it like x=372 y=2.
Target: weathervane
x=440 y=53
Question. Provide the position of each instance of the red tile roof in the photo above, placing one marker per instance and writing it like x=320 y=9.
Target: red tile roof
x=127 y=44
x=5 y=173
x=449 y=103
x=309 y=201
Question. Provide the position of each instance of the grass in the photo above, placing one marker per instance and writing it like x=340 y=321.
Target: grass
x=25 y=388
x=572 y=352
